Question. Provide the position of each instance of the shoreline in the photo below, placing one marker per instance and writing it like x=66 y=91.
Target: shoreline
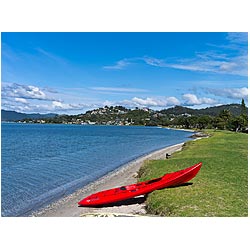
x=124 y=175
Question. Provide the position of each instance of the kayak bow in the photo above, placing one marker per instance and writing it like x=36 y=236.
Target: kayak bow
x=141 y=188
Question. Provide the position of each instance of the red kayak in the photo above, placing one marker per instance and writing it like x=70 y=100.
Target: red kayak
x=141 y=188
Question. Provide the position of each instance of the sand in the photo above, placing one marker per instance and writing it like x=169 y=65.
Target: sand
x=68 y=207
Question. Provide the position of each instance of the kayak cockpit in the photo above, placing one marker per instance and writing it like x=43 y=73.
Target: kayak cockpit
x=129 y=187
x=152 y=181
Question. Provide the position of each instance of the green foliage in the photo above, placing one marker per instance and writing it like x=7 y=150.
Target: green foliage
x=219 y=189
x=243 y=107
x=203 y=121
x=239 y=123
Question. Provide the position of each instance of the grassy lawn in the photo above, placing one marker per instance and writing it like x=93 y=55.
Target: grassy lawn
x=219 y=189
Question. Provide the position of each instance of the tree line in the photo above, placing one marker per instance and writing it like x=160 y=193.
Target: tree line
x=231 y=117
x=225 y=120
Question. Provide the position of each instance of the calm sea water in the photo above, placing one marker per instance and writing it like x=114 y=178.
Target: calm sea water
x=41 y=163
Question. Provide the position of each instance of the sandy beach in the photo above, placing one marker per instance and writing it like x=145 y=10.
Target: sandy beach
x=68 y=207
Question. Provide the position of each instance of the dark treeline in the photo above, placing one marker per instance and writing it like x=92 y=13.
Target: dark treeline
x=225 y=119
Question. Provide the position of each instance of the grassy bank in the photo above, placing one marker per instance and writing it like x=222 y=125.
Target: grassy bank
x=219 y=189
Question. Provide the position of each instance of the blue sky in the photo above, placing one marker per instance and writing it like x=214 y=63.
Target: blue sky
x=74 y=72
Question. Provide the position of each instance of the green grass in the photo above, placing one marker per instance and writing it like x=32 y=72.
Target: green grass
x=219 y=189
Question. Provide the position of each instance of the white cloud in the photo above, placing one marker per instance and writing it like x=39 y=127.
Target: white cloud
x=118 y=65
x=164 y=102
x=46 y=107
x=24 y=98
x=232 y=58
x=57 y=104
x=108 y=103
x=155 y=62
x=21 y=100
x=158 y=102
x=202 y=62
x=172 y=101
x=104 y=89
x=207 y=63
x=151 y=102
x=191 y=99
x=16 y=90
x=122 y=64
x=61 y=106
x=145 y=102
x=35 y=93
x=235 y=66
x=233 y=93
x=237 y=37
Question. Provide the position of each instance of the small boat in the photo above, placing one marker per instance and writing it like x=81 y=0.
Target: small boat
x=141 y=188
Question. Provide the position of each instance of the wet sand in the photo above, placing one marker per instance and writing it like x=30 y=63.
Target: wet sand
x=68 y=207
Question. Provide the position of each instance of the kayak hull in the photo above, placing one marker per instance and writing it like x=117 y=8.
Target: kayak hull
x=141 y=188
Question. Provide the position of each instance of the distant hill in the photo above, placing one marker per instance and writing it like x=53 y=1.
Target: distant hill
x=235 y=110
x=121 y=115
x=179 y=110
x=15 y=116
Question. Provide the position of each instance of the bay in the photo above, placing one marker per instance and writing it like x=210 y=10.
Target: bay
x=43 y=162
